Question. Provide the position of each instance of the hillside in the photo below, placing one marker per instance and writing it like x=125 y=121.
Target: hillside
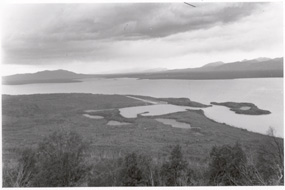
x=256 y=68
x=252 y=65
x=56 y=76
x=27 y=117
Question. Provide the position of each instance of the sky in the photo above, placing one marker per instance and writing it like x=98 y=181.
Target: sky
x=124 y=37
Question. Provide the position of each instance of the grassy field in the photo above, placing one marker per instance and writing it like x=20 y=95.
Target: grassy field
x=28 y=118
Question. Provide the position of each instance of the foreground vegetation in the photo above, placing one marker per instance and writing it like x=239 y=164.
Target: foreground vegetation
x=236 y=107
x=63 y=159
x=107 y=150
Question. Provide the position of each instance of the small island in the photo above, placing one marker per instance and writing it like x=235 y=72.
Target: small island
x=243 y=108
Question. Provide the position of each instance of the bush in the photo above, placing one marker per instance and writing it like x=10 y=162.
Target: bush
x=106 y=172
x=57 y=162
x=132 y=174
x=226 y=165
x=175 y=171
x=137 y=171
x=61 y=160
x=270 y=160
x=22 y=174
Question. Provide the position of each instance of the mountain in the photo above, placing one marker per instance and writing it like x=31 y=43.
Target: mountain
x=214 y=64
x=245 y=65
x=154 y=70
x=251 y=65
x=255 y=68
x=43 y=75
x=56 y=76
x=262 y=59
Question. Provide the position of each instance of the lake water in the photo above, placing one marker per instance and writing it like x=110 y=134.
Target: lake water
x=266 y=93
x=152 y=110
x=174 y=123
x=117 y=123
x=93 y=116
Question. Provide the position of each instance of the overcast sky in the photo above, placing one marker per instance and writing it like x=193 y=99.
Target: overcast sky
x=108 y=38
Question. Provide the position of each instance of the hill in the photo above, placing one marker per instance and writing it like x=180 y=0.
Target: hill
x=256 y=68
x=56 y=76
x=252 y=65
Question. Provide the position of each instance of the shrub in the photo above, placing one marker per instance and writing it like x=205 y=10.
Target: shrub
x=132 y=175
x=136 y=171
x=106 y=172
x=58 y=161
x=270 y=160
x=226 y=165
x=61 y=160
x=175 y=171
x=22 y=174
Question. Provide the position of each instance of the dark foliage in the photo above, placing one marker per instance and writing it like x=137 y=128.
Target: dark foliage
x=226 y=165
x=23 y=174
x=136 y=171
x=175 y=171
x=61 y=160
x=270 y=160
x=106 y=173
x=132 y=174
x=58 y=161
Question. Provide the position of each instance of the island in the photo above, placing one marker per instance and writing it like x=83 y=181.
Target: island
x=243 y=108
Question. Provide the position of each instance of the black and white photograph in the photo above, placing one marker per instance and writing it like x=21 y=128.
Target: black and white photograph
x=157 y=94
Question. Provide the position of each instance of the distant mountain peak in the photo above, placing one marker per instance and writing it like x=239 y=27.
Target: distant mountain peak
x=214 y=64
x=262 y=59
x=55 y=71
x=259 y=59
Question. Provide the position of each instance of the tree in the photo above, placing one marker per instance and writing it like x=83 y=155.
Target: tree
x=60 y=160
x=23 y=173
x=132 y=174
x=226 y=165
x=174 y=171
x=270 y=160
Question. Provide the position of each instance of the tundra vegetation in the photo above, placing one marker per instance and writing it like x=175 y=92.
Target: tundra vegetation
x=47 y=142
x=63 y=159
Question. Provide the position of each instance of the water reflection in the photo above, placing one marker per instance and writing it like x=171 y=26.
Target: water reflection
x=152 y=110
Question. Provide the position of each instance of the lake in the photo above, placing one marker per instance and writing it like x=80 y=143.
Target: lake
x=266 y=93
x=152 y=110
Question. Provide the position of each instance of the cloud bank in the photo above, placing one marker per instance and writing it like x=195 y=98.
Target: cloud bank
x=98 y=38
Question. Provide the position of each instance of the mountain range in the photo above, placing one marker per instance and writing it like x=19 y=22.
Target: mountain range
x=255 y=68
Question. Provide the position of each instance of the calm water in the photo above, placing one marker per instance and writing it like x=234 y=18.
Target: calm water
x=93 y=116
x=117 y=123
x=174 y=123
x=152 y=110
x=266 y=93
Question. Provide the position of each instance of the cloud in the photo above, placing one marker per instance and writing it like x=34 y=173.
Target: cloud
x=99 y=21
x=129 y=34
